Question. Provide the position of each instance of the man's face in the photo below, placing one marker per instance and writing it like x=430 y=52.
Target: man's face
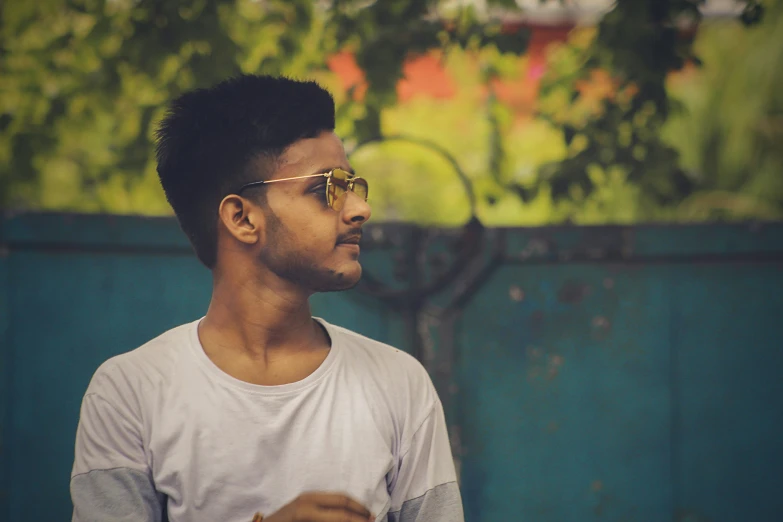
x=307 y=242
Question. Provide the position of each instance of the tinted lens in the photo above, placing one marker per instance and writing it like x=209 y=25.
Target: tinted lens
x=338 y=188
x=338 y=185
x=360 y=188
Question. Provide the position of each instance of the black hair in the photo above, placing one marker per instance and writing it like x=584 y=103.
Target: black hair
x=214 y=140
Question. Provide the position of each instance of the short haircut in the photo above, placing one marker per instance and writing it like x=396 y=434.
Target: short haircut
x=214 y=140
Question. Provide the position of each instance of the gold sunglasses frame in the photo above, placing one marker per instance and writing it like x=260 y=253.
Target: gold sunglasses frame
x=328 y=175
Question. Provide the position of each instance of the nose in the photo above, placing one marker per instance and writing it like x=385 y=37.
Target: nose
x=356 y=210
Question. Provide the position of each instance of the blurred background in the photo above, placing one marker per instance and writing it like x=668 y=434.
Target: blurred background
x=576 y=227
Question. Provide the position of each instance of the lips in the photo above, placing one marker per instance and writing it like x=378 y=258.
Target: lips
x=350 y=241
x=352 y=237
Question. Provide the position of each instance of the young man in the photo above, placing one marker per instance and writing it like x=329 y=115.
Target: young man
x=258 y=409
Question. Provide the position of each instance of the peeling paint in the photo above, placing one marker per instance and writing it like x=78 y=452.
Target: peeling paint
x=602 y=322
x=555 y=362
x=542 y=364
x=572 y=292
x=601 y=327
x=516 y=294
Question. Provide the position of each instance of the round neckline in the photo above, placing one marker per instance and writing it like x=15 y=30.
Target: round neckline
x=280 y=389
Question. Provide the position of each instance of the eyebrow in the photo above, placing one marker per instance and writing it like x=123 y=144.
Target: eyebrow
x=327 y=169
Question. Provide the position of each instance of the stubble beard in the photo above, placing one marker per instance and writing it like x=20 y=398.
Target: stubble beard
x=297 y=267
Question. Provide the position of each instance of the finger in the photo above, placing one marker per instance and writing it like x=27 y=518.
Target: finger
x=341 y=515
x=314 y=513
x=337 y=501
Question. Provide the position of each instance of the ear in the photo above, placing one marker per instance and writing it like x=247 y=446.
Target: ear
x=242 y=219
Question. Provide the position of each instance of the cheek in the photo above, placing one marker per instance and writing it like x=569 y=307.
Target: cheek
x=307 y=230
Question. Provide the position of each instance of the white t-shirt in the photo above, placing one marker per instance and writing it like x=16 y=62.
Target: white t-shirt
x=163 y=432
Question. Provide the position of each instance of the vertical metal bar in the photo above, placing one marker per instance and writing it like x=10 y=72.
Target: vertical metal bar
x=675 y=401
x=5 y=377
x=416 y=259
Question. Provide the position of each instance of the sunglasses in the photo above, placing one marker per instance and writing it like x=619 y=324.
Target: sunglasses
x=338 y=183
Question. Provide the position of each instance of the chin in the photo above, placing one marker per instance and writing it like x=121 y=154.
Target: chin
x=350 y=278
x=343 y=279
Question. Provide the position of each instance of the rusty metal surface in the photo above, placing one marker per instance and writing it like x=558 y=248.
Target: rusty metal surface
x=568 y=377
x=620 y=374
x=564 y=396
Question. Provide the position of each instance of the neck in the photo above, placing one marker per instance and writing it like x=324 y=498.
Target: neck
x=259 y=316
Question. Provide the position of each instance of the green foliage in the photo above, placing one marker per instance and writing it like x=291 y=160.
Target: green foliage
x=412 y=182
x=609 y=98
x=730 y=130
x=385 y=34
x=84 y=80
x=84 y=83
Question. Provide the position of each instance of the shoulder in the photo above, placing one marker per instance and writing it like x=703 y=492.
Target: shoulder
x=392 y=371
x=381 y=357
x=147 y=367
x=113 y=420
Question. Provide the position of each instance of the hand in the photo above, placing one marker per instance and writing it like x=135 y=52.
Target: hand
x=322 y=507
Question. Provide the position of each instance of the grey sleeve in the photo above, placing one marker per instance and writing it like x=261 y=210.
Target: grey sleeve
x=111 y=481
x=115 y=495
x=441 y=503
x=425 y=489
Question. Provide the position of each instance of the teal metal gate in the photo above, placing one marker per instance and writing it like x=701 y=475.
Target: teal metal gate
x=599 y=373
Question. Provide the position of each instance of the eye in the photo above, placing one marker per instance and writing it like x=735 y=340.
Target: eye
x=319 y=189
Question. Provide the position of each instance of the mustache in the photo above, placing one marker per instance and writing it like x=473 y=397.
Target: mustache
x=352 y=235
